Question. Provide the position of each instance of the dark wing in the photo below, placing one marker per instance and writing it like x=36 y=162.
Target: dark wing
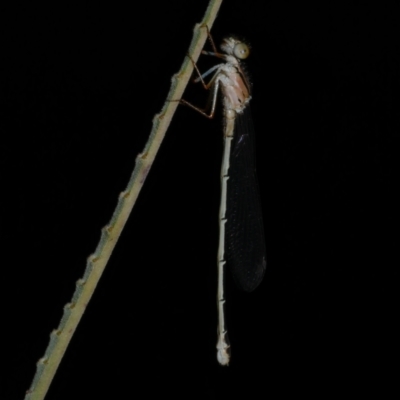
x=244 y=230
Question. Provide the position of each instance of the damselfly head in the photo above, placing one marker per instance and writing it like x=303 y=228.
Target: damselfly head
x=235 y=47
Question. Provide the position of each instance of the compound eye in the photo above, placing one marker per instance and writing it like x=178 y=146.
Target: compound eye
x=241 y=51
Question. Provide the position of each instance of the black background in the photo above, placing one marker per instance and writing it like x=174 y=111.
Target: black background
x=79 y=86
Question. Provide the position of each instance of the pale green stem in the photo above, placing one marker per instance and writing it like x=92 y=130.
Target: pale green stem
x=73 y=311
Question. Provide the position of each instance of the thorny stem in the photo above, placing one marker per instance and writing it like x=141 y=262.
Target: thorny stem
x=96 y=263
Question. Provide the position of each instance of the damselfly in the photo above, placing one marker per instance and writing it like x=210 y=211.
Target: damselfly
x=241 y=231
